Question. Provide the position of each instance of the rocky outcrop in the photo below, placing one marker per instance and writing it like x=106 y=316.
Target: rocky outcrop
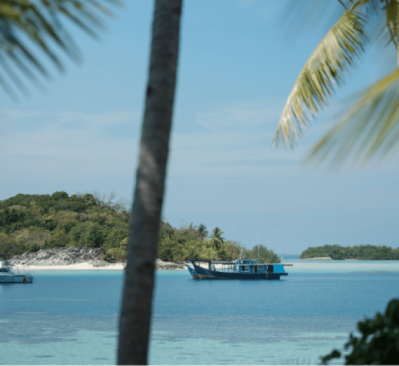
x=160 y=264
x=74 y=255
x=61 y=257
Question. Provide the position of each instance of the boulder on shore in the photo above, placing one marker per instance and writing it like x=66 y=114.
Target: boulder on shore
x=160 y=264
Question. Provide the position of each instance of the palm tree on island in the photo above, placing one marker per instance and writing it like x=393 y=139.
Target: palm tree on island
x=216 y=237
x=202 y=231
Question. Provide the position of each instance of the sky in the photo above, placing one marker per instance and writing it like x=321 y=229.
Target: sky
x=238 y=62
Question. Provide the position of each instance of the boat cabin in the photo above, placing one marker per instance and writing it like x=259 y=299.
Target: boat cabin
x=253 y=266
x=250 y=266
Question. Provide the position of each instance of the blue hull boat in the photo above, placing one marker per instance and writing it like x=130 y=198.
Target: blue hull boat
x=241 y=269
x=193 y=272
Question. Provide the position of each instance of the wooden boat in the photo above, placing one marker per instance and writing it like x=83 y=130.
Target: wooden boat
x=241 y=269
x=193 y=272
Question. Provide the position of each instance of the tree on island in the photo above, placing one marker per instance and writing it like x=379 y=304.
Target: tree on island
x=202 y=231
x=363 y=252
x=262 y=253
x=217 y=238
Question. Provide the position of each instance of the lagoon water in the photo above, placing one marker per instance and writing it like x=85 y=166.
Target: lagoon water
x=70 y=317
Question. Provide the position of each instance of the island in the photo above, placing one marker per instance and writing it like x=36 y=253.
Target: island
x=58 y=229
x=360 y=252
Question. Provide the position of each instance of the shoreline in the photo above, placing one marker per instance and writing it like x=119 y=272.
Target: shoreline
x=78 y=266
x=85 y=267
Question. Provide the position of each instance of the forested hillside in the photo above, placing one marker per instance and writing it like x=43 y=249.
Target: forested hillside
x=363 y=252
x=34 y=222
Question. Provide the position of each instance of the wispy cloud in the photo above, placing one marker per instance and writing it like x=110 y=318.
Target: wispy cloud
x=228 y=140
x=232 y=140
x=14 y=121
x=240 y=116
x=57 y=149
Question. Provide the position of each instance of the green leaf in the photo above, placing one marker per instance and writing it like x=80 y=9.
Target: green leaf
x=42 y=23
x=324 y=70
x=369 y=128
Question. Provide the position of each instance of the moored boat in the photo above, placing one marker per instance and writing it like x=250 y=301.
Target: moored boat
x=7 y=275
x=193 y=272
x=241 y=269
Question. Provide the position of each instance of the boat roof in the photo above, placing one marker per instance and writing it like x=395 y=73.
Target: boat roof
x=232 y=263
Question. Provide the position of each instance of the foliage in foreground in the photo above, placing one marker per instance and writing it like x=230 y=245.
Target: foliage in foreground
x=378 y=343
x=368 y=127
x=29 y=223
x=362 y=252
x=42 y=24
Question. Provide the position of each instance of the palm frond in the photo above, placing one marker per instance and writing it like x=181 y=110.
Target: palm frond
x=367 y=6
x=392 y=22
x=30 y=24
x=324 y=70
x=369 y=129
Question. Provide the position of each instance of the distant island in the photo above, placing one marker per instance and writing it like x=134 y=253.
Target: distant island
x=362 y=252
x=30 y=223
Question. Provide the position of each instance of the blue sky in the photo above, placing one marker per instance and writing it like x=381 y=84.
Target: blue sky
x=238 y=62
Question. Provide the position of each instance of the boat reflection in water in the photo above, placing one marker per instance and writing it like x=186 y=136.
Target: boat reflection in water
x=241 y=269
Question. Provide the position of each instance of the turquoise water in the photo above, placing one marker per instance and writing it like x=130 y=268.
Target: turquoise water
x=70 y=317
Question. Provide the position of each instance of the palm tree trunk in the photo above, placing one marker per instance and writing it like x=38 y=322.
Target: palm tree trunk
x=135 y=317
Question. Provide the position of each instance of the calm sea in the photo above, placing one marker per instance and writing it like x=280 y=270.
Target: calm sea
x=70 y=317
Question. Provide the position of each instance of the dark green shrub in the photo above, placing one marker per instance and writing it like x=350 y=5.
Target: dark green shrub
x=59 y=195
x=58 y=240
x=378 y=343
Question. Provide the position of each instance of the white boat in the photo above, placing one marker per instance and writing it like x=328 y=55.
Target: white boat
x=7 y=275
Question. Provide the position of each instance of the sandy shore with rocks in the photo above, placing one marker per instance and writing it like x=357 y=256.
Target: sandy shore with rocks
x=78 y=266
x=75 y=258
x=161 y=265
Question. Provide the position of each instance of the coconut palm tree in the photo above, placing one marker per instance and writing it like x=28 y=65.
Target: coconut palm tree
x=370 y=126
x=134 y=322
x=216 y=237
x=42 y=23
x=202 y=231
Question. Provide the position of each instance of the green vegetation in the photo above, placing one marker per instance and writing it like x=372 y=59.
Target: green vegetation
x=34 y=222
x=378 y=343
x=263 y=254
x=363 y=252
x=189 y=242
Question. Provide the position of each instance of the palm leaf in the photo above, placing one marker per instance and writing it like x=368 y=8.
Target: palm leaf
x=324 y=70
x=369 y=129
x=41 y=24
x=391 y=14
